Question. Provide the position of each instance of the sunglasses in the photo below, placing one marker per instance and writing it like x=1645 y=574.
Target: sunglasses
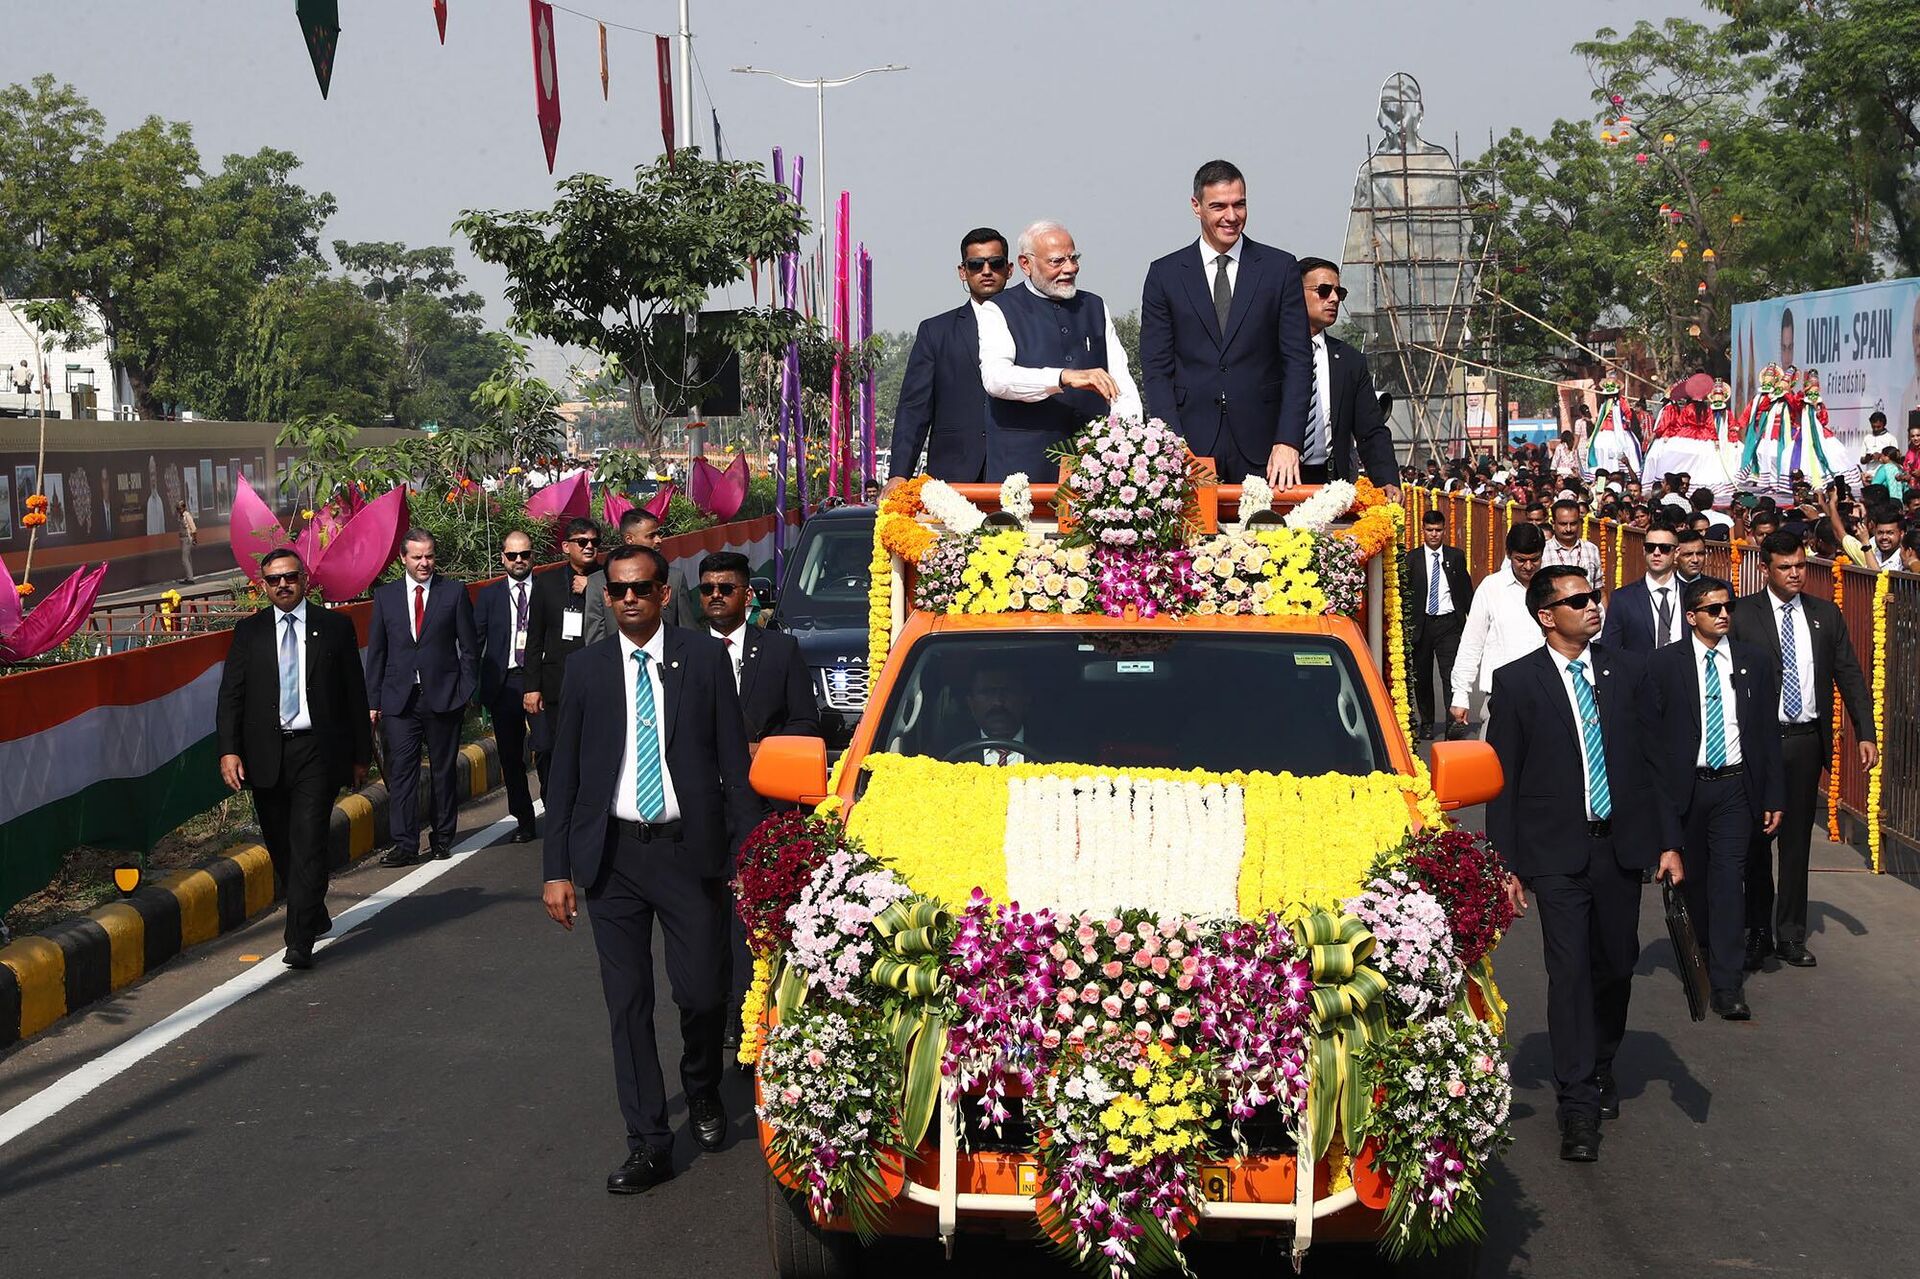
x=585 y=543
x=280 y=579
x=1330 y=290
x=723 y=589
x=1661 y=548
x=1578 y=600
x=516 y=555
x=998 y=262
x=645 y=590
x=1711 y=610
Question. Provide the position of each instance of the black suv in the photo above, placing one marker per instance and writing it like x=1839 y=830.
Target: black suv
x=823 y=604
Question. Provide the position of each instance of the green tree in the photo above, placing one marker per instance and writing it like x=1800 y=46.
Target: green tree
x=46 y=130
x=615 y=270
x=313 y=346
x=442 y=351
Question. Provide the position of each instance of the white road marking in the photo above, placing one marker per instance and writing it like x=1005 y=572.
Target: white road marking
x=80 y=1081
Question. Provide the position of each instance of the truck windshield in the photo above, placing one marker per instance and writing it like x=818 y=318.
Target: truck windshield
x=1257 y=702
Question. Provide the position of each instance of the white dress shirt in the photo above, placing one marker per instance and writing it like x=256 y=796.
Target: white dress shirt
x=1316 y=450
x=426 y=595
x=1583 y=555
x=519 y=609
x=304 y=720
x=1207 y=255
x=1499 y=629
x=736 y=651
x=1437 y=572
x=1675 y=588
x=1005 y=380
x=1592 y=676
x=1803 y=650
x=1729 y=709
x=624 y=805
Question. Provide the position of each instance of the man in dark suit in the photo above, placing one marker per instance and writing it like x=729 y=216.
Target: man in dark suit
x=421 y=654
x=500 y=614
x=776 y=698
x=556 y=631
x=1224 y=352
x=1582 y=814
x=1646 y=613
x=293 y=726
x=649 y=799
x=1438 y=602
x=1714 y=703
x=1806 y=643
x=943 y=405
x=1346 y=425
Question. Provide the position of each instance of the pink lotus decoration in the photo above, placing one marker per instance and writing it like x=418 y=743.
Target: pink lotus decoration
x=345 y=546
x=561 y=501
x=719 y=493
x=53 y=621
x=614 y=506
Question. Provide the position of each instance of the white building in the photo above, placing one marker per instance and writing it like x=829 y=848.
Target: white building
x=75 y=378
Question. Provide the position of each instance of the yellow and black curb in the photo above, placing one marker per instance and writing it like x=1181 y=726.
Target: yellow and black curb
x=74 y=963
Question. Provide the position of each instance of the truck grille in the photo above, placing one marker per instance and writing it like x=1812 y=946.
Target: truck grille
x=846 y=687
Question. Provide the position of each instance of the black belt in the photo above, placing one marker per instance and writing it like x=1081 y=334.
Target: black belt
x=1719 y=774
x=1800 y=730
x=647 y=832
x=1600 y=829
x=287 y=734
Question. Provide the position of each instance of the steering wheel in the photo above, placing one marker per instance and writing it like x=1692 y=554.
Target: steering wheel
x=978 y=744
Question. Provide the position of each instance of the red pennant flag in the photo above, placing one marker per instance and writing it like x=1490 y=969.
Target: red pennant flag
x=603 y=61
x=663 y=54
x=440 y=18
x=546 y=76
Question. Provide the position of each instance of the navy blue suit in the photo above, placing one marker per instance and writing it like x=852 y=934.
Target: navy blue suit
x=943 y=407
x=1630 y=616
x=502 y=685
x=1232 y=395
x=1719 y=814
x=1360 y=436
x=421 y=688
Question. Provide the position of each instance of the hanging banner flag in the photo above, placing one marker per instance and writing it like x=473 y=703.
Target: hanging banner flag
x=546 y=76
x=663 y=55
x=320 y=24
x=719 y=147
x=440 y=18
x=603 y=61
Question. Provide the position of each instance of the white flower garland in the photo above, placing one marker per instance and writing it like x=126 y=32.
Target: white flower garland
x=955 y=512
x=1256 y=495
x=1107 y=843
x=1016 y=497
x=1317 y=513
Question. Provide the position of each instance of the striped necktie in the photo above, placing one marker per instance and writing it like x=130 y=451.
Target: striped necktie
x=1790 y=704
x=1433 y=584
x=1716 y=717
x=649 y=795
x=1599 y=797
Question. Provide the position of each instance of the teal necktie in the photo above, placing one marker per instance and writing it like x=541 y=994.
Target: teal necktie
x=1716 y=719
x=1598 y=795
x=649 y=794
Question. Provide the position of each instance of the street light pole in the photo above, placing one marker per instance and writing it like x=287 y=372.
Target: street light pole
x=819 y=85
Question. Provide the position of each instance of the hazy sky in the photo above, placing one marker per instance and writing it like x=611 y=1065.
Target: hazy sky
x=1094 y=112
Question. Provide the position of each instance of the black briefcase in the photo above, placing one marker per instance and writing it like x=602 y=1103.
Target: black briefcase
x=1687 y=955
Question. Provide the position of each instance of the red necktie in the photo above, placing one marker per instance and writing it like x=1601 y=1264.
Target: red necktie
x=419 y=611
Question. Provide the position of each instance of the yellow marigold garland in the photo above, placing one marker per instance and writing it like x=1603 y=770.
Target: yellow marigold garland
x=1466 y=545
x=1617 y=540
x=942 y=826
x=753 y=1008
x=1834 y=765
x=879 y=604
x=1882 y=586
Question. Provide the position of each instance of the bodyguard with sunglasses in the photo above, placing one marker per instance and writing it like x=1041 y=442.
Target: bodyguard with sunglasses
x=649 y=800
x=293 y=726
x=556 y=631
x=502 y=612
x=1346 y=428
x=943 y=404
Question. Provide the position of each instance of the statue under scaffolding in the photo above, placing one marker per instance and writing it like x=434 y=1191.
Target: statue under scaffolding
x=1414 y=275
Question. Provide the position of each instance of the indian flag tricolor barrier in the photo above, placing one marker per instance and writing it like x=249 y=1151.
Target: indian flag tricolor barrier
x=116 y=751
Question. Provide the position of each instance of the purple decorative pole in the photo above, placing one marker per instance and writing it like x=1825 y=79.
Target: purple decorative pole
x=867 y=408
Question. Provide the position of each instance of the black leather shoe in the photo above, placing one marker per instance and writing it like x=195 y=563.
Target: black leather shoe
x=1580 y=1141
x=1609 y=1094
x=709 y=1122
x=524 y=835
x=301 y=959
x=1729 y=1004
x=644 y=1169
x=441 y=852
x=398 y=856
x=1795 y=953
x=1759 y=946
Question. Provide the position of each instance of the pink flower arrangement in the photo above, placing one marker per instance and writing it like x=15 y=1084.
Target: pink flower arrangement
x=1413 y=944
x=1130 y=485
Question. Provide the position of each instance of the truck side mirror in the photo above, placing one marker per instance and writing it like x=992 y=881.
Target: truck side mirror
x=1464 y=774
x=793 y=769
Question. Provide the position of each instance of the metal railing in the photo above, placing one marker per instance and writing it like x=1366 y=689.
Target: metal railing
x=1478 y=527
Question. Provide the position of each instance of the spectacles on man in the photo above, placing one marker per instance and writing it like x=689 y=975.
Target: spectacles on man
x=1578 y=600
x=1711 y=610
x=1324 y=291
x=723 y=589
x=516 y=555
x=586 y=543
x=280 y=579
x=996 y=263
x=1660 y=548
x=1059 y=260
x=644 y=589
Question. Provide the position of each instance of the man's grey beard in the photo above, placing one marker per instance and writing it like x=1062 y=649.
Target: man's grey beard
x=1055 y=289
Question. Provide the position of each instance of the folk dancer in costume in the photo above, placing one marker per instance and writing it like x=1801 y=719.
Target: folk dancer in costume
x=1691 y=437
x=1786 y=428
x=1611 y=445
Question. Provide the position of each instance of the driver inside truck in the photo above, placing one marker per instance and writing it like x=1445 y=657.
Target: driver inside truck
x=997 y=701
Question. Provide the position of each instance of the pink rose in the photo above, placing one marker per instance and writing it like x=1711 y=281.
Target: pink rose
x=1145 y=929
x=1161 y=965
x=1113 y=927
x=1072 y=971
x=816 y=1058
x=1110 y=969
x=1051 y=1039
x=1181 y=1017
x=1184 y=981
x=1123 y=943
x=1110 y=1005
x=1126 y=990
x=1084 y=934
x=1058 y=951
x=1455 y=1088
x=1091 y=994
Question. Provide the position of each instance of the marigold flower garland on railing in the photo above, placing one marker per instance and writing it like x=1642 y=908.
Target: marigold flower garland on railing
x=879 y=603
x=1834 y=765
x=1882 y=587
